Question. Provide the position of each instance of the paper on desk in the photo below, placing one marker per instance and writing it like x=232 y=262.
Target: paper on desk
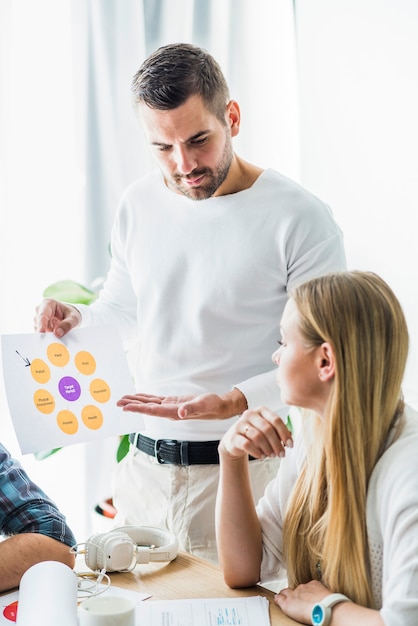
x=121 y=592
x=64 y=391
x=8 y=608
x=207 y=611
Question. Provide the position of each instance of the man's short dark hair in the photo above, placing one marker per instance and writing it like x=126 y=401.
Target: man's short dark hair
x=173 y=73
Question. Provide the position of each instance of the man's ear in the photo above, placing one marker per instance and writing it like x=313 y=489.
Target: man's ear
x=326 y=362
x=233 y=117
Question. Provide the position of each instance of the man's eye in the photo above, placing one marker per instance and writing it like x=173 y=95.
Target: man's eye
x=163 y=148
x=281 y=343
x=199 y=142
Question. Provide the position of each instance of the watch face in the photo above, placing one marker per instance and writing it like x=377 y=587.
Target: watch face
x=317 y=614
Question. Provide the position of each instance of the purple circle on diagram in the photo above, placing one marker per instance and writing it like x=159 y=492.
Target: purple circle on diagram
x=69 y=388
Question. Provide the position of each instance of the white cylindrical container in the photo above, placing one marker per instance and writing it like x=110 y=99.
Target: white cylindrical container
x=107 y=611
x=47 y=596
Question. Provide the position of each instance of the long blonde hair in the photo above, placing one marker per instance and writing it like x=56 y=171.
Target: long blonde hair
x=325 y=534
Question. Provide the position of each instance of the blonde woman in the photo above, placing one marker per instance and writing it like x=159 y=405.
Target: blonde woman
x=341 y=518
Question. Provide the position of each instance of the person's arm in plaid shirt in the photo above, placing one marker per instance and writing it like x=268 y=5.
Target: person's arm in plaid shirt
x=32 y=527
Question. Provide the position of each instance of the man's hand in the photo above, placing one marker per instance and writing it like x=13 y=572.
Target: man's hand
x=56 y=317
x=207 y=406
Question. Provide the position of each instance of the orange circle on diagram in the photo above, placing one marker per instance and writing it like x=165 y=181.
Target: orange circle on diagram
x=92 y=417
x=44 y=401
x=100 y=390
x=40 y=371
x=68 y=422
x=85 y=363
x=58 y=354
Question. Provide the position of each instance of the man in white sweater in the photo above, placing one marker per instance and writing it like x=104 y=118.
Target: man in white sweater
x=203 y=253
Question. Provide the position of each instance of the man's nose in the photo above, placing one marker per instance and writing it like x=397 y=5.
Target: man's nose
x=185 y=160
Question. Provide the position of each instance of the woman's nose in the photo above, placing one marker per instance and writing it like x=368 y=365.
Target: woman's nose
x=275 y=357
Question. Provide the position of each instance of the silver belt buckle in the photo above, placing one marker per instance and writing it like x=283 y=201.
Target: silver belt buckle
x=157 y=446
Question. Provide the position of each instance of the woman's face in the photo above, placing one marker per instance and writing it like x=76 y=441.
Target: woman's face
x=299 y=366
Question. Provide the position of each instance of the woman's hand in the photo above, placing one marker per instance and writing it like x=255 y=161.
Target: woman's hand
x=260 y=433
x=298 y=603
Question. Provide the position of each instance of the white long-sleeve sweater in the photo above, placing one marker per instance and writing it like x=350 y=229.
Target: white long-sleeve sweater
x=392 y=524
x=201 y=286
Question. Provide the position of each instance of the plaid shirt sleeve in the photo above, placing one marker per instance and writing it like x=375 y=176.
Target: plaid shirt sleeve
x=24 y=507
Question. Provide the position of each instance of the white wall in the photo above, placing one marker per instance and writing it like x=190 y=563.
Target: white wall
x=359 y=135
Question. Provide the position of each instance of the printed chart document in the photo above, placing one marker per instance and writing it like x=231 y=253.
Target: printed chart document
x=64 y=391
x=205 y=612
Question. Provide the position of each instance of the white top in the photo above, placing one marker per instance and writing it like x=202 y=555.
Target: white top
x=201 y=286
x=392 y=524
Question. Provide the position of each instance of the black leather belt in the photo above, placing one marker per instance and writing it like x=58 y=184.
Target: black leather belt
x=178 y=452
x=175 y=452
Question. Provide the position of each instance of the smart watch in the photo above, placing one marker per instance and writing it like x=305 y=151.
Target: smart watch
x=322 y=611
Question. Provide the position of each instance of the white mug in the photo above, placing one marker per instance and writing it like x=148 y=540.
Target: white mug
x=107 y=611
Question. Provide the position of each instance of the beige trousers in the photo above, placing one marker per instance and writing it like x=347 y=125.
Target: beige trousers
x=177 y=498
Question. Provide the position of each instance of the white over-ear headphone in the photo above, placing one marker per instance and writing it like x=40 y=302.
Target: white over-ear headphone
x=122 y=548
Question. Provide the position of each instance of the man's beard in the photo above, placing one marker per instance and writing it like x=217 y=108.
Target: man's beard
x=213 y=178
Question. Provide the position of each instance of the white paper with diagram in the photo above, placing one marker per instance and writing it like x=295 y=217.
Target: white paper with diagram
x=64 y=391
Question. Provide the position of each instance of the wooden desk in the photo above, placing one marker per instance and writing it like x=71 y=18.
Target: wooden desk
x=190 y=577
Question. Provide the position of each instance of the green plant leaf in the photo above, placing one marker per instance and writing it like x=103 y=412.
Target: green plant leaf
x=40 y=456
x=70 y=291
x=289 y=423
x=123 y=448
